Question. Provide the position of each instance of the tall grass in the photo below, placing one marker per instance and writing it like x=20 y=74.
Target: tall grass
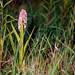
x=46 y=46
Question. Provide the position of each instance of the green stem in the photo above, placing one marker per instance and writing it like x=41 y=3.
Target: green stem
x=1 y=38
x=21 y=45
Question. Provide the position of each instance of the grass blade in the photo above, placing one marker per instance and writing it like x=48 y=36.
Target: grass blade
x=25 y=46
x=17 y=36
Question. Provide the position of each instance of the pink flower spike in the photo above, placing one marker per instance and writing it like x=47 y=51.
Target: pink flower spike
x=22 y=17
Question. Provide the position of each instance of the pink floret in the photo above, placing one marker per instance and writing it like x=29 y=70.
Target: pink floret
x=23 y=18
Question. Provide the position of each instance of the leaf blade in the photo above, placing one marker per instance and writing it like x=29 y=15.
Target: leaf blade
x=17 y=36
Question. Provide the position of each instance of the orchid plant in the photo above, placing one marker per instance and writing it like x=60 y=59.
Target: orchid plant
x=22 y=22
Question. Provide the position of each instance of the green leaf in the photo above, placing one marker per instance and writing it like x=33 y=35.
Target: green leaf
x=43 y=16
x=7 y=3
x=9 y=16
x=45 y=7
x=12 y=42
x=1 y=45
x=46 y=2
x=30 y=7
x=26 y=44
x=17 y=36
x=32 y=50
x=1 y=4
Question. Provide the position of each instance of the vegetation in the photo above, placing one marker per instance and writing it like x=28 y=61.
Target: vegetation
x=46 y=46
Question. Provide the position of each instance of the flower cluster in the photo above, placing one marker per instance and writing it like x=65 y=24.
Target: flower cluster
x=23 y=18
